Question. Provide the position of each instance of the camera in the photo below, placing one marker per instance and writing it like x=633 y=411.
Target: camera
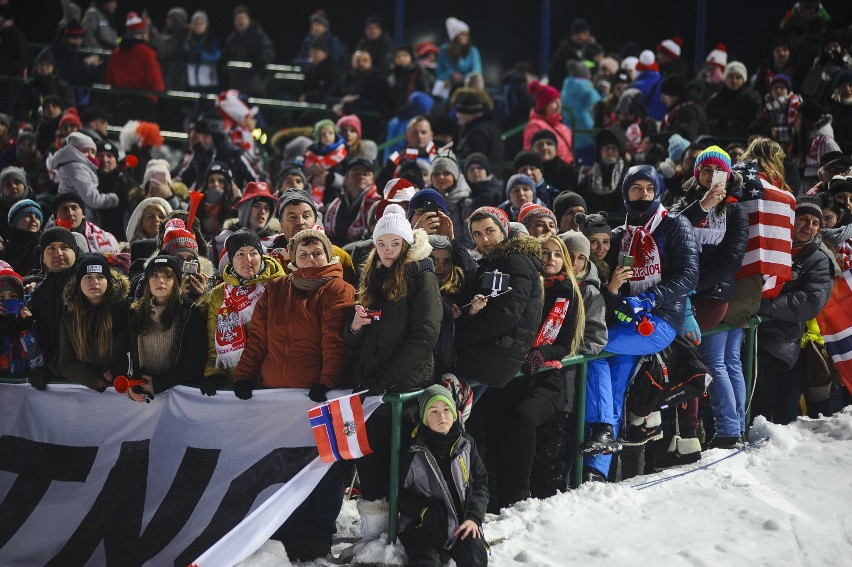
x=190 y=266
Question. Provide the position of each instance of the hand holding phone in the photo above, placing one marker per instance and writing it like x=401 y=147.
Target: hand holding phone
x=11 y=306
x=627 y=262
x=720 y=178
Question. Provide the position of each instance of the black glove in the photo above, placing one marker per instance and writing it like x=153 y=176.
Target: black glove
x=209 y=384
x=40 y=376
x=243 y=388
x=318 y=392
x=533 y=362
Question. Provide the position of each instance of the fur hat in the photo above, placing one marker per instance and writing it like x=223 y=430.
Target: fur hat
x=432 y=394
x=394 y=222
x=22 y=208
x=177 y=238
x=531 y=212
x=497 y=215
x=576 y=242
x=240 y=238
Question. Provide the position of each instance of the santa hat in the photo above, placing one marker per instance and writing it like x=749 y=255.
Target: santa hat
x=671 y=47
x=455 y=27
x=425 y=48
x=718 y=57
x=398 y=190
x=229 y=105
x=134 y=23
x=178 y=239
x=140 y=134
x=647 y=62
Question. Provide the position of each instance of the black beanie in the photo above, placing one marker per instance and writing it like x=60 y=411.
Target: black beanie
x=479 y=159
x=565 y=201
x=544 y=134
x=163 y=261
x=240 y=238
x=93 y=264
x=63 y=198
x=59 y=234
x=527 y=158
x=674 y=85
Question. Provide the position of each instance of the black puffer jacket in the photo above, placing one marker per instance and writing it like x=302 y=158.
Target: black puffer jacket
x=800 y=300
x=398 y=347
x=678 y=251
x=492 y=345
x=48 y=306
x=717 y=263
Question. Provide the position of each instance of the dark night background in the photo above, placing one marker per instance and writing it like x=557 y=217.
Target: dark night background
x=505 y=32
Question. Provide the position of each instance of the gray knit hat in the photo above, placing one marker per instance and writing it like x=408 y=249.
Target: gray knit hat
x=432 y=394
x=577 y=243
x=446 y=163
x=293 y=196
x=15 y=173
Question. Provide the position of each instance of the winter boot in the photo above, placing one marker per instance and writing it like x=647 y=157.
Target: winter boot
x=374 y=523
x=641 y=430
x=721 y=442
x=682 y=451
x=601 y=442
x=591 y=474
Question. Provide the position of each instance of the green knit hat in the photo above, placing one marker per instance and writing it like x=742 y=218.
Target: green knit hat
x=322 y=124
x=432 y=394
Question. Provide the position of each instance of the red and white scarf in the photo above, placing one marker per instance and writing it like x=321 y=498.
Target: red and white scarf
x=328 y=160
x=231 y=320
x=551 y=326
x=639 y=243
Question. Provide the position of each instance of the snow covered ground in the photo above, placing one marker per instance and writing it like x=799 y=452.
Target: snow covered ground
x=785 y=501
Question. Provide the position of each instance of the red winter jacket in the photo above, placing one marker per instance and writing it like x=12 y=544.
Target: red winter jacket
x=133 y=65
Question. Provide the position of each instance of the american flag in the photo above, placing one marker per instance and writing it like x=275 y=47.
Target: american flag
x=771 y=214
x=835 y=324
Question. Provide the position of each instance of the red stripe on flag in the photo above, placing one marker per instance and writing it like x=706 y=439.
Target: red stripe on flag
x=360 y=424
x=339 y=432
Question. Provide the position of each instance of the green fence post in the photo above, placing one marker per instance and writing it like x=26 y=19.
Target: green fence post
x=749 y=364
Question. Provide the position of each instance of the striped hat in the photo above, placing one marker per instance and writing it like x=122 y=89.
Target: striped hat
x=531 y=212
x=10 y=279
x=398 y=190
x=177 y=238
x=714 y=155
x=497 y=215
x=432 y=394
x=22 y=208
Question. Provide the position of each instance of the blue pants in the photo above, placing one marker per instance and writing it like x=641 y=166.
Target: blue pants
x=721 y=353
x=626 y=341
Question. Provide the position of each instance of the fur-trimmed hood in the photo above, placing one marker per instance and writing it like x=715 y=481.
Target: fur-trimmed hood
x=421 y=248
x=520 y=244
x=120 y=290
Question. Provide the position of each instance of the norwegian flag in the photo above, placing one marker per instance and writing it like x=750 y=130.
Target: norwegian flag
x=771 y=214
x=835 y=324
x=339 y=429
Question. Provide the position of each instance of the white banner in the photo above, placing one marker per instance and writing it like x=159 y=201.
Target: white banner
x=95 y=479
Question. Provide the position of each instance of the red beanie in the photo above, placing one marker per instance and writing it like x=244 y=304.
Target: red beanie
x=352 y=121
x=544 y=94
x=647 y=62
x=70 y=117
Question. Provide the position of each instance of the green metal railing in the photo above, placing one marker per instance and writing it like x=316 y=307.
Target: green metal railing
x=396 y=402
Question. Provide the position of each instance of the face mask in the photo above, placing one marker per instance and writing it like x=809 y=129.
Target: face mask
x=213 y=195
x=639 y=206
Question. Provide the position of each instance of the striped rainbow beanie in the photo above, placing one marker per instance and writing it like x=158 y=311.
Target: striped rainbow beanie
x=714 y=155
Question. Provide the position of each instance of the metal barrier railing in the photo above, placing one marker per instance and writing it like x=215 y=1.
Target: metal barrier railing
x=396 y=401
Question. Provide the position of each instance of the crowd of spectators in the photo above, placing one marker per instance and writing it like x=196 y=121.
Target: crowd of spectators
x=396 y=240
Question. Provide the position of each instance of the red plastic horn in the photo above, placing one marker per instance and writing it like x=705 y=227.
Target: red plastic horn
x=123 y=383
x=195 y=198
x=645 y=327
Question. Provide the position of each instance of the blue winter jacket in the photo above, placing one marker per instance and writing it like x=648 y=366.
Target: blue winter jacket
x=648 y=83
